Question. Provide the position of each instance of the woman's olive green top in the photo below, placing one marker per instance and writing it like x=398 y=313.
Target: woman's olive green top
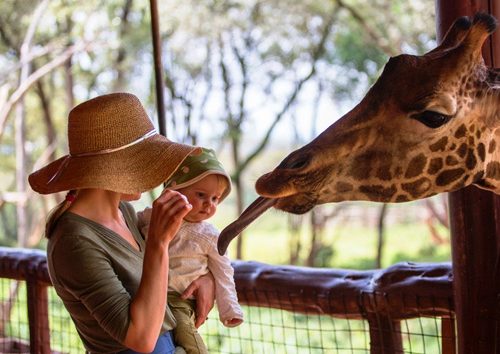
x=96 y=273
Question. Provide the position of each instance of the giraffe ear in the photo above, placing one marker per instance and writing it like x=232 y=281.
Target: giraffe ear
x=456 y=33
x=482 y=26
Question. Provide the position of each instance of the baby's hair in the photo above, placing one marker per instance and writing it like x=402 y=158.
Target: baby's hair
x=222 y=182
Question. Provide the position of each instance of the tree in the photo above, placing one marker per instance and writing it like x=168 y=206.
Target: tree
x=41 y=41
x=237 y=72
x=254 y=54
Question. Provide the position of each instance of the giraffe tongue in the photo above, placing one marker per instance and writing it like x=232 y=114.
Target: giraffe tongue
x=252 y=212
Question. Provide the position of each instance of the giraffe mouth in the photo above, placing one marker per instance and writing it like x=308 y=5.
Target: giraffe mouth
x=252 y=212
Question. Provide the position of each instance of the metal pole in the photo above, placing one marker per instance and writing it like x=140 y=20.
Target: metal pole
x=160 y=101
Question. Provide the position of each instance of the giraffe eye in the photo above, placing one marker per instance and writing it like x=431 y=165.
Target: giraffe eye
x=295 y=163
x=431 y=119
x=298 y=163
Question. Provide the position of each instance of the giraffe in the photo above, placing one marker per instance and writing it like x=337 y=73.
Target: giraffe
x=428 y=125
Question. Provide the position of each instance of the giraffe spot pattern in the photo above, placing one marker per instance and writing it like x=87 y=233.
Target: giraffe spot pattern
x=479 y=175
x=492 y=146
x=384 y=173
x=378 y=192
x=361 y=168
x=470 y=161
x=399 y=172
x=460 y=132
x=481 y=151
x=343 y=187
x=402 y=198
x=417 y=188
x=439 y=145
x=460 y=184
x=448 y=176
x=416 y=166
x=493 y=170
x=451 y=160
x=435 y=165
x=462 y=150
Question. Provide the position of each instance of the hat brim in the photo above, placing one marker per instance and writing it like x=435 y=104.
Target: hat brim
x=137 y=168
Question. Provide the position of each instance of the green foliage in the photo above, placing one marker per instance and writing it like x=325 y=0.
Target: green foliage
x=350 y=241
x=230 y=69
x=8 y=226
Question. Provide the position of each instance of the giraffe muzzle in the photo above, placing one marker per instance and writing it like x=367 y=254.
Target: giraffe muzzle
x=252 y=212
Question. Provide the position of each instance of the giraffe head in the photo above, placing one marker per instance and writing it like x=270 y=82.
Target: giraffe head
x=428 y=125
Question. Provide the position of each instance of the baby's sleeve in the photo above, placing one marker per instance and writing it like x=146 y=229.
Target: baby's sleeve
x=230 y=312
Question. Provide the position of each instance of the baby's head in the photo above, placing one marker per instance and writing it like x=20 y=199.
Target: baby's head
x=205 y=183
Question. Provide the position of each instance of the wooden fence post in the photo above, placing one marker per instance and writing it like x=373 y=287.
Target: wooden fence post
x=475 y=224
x=38 y=316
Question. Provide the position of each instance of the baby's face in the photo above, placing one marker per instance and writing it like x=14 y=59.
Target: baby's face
x=204 y=196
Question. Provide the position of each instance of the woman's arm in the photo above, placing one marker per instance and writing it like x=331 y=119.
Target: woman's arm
x=203 y=290
x=147 y=307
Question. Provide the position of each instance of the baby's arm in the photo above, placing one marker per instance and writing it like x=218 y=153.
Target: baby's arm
x=230 y=311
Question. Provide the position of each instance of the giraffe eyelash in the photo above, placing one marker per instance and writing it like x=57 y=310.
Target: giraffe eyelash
x=432 y=119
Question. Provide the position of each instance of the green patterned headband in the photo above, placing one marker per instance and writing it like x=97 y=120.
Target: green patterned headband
x=196 y=167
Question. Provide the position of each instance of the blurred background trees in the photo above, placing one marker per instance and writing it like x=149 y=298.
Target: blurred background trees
x=252 y=79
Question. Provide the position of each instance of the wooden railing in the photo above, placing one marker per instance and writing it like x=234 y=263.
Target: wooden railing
x=381 y=297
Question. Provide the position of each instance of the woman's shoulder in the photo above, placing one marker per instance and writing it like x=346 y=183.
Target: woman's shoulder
x=72 y=231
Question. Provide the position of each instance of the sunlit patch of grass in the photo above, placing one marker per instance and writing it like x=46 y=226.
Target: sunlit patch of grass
x=351 y=245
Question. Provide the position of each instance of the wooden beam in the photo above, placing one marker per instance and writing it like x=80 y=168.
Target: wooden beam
x=475 y=224
x=160 y=101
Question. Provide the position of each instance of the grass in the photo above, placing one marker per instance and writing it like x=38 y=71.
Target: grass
x=349 y=241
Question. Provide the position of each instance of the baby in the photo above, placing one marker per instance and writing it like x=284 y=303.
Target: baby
x=193 y=251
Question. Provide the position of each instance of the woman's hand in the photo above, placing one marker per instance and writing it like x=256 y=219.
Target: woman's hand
x=168 y=211
x=203 y=290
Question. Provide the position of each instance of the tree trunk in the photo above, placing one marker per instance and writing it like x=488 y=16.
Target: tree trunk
x=239 y=209
x=20 y=129
x=380 y=231
x=314 y=239
x=119 y=82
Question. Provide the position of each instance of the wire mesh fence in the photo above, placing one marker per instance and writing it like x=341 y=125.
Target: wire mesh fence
x=301 y=317
x=14 y=326
x=277 y=331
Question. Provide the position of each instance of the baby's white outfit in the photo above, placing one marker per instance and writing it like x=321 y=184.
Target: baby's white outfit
x=193 y=253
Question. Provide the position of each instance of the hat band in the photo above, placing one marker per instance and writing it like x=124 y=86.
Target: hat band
x=100 y=152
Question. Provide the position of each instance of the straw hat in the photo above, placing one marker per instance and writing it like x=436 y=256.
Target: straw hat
x=113 y=145
x=196 y=167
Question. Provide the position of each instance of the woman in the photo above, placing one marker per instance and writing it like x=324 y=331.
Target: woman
x=112 y=281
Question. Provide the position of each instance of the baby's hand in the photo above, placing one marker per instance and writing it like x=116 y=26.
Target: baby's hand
x=233 y=322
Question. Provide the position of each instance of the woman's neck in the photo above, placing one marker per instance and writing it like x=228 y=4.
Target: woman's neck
x=99 y=205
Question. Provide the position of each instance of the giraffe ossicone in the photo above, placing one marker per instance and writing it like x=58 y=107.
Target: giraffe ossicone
x=428 y=125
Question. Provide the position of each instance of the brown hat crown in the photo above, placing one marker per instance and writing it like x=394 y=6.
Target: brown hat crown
x=112 y=145
x=106 y=122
